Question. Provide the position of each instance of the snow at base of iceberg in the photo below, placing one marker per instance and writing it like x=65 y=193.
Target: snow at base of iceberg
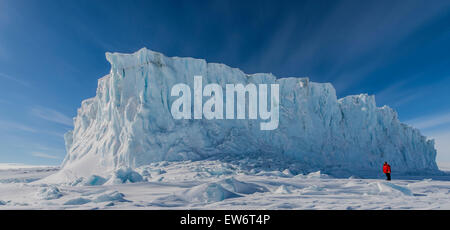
x=189 y=185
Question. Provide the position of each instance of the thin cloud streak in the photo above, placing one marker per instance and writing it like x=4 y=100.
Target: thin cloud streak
x=17 y=126
x=430 y=121
x=52 y=115
x=44 y=155
x=14 y=126
x=398 y=94
x=396 y=23
x=15 y=79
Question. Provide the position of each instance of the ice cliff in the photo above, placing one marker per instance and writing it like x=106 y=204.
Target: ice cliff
x=129 y=124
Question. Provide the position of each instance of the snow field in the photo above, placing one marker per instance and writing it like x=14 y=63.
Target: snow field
x=199 y=185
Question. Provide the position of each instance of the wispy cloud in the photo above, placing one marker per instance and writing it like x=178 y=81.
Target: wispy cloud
x=274 y=51
x=399 y=93
x=350 y=78
x=47 y=152
x=411 y=89
x=45 y=148
x=15 y=79
x=44 y=155
x=17 y=126
x=52 y=115
x=429 y=122
x=394 y=23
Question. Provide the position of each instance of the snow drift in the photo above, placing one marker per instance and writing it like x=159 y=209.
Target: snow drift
x=129 y=124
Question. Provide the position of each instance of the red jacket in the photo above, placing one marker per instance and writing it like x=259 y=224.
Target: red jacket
x=386 y=168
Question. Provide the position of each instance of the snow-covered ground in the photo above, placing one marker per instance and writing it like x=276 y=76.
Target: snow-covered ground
x=211 y=184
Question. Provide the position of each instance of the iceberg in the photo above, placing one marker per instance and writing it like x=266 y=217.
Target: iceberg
x=129 y=124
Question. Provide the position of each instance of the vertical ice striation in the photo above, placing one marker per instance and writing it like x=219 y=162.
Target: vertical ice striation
x=129 y=123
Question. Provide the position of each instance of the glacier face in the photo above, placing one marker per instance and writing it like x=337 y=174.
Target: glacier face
x=129 y=124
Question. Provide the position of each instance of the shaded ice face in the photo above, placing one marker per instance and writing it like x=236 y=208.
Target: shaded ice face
x=213 y=107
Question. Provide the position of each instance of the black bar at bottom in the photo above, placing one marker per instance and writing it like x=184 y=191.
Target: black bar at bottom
x=218 y=219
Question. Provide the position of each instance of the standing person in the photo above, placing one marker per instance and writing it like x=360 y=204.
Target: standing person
x=387 y=170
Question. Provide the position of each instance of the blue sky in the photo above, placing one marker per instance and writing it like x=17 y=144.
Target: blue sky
x=52 y=53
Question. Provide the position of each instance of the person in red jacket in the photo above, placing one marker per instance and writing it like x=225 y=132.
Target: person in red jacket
x=387 y=170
